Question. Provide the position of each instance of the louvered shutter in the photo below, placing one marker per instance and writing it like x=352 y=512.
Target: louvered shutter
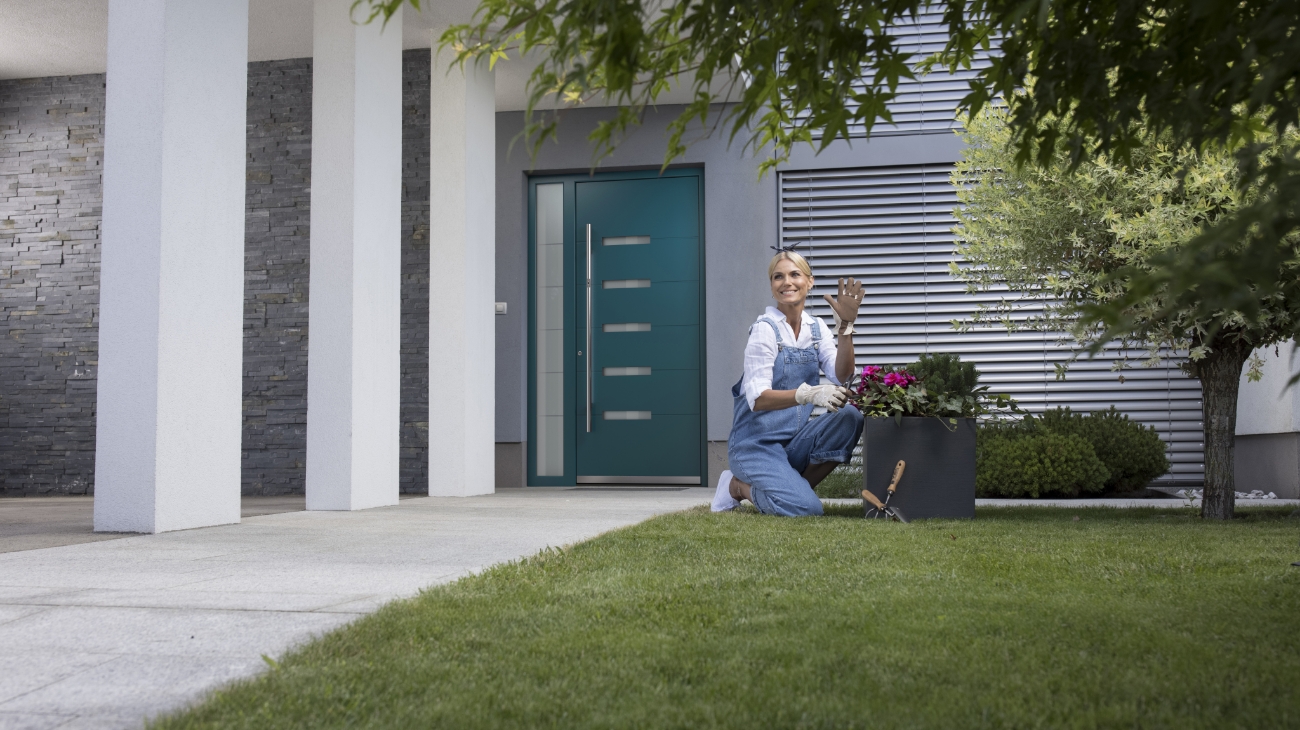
x=891 y=227
x=926 y=104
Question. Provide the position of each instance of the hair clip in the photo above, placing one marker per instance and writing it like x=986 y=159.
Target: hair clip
x=782 y=249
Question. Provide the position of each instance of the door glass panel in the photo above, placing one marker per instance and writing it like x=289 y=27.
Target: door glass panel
x=626 y=327
x=550 y=330
x=625 y=240
x=627 y=415
x=616 y=372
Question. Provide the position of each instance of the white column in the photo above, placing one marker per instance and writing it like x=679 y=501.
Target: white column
x=353 y=365
x=462 y=278
x=167 y=451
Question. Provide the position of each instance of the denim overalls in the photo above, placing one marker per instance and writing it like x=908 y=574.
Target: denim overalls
x=769 y=449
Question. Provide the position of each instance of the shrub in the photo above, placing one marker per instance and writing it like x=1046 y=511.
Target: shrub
x=1133 y=453
x=1016 y=461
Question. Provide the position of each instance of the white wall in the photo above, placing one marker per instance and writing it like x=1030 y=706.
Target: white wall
x=1267 y=406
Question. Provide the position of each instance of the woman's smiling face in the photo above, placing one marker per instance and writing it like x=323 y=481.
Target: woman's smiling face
x=789 y=285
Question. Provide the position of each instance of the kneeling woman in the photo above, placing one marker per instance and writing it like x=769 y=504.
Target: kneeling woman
x=776 y=453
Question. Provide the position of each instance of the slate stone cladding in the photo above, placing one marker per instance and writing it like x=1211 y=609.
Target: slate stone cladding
x=277 y=218
x=414 y=469
x=51 y=152
x=51 y=158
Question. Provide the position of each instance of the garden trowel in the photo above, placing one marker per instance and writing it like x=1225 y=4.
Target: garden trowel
x=882 y=509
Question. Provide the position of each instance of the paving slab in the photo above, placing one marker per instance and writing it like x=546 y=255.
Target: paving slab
x=106 y=634
x=26 y=672
x=33 y=721
x=29 y=523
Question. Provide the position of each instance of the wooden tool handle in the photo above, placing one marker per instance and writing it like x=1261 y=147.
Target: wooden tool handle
x=872 y=499
x=898 y=474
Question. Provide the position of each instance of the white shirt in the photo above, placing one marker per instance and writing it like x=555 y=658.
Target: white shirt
x=760 y=352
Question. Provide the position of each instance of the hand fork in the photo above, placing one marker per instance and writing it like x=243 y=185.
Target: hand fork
x=882 y=509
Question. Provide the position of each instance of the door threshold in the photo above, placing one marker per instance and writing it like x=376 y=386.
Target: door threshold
x=628 y=489
x=640 y=481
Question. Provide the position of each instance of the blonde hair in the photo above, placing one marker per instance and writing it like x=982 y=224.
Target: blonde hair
x=798 y=260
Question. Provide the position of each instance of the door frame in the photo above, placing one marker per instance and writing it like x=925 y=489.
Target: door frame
x=571 y=314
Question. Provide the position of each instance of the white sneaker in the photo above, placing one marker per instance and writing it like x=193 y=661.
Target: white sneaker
x=722 y=499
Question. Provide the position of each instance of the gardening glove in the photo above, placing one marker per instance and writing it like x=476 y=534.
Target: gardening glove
x=844 y=307
x=822 y=396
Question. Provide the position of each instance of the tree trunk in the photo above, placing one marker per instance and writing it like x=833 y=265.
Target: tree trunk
x=1220 y=374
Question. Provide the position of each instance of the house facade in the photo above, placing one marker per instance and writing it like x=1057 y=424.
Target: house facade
x=231 y=266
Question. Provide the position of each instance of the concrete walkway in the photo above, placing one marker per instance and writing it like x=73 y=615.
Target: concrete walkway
x=107 y=634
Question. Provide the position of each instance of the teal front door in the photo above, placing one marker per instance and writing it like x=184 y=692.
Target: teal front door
x=630 y=400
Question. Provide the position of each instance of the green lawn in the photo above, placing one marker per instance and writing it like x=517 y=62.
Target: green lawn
x=1020 y=618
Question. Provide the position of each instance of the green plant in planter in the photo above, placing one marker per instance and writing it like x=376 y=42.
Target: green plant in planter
x=888 y=391
x=1133 y=453
x=947 y=374
x=939 y=386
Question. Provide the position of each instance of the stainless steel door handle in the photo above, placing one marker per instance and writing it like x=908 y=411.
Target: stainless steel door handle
x=589 y=313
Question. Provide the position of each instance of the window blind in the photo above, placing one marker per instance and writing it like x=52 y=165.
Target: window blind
x=891 y=227
x=926 y=104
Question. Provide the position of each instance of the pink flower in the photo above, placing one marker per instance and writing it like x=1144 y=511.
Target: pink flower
x=872 y=372
x=900 y=378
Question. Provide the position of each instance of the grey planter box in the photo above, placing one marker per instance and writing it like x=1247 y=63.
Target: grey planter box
x=939 y=480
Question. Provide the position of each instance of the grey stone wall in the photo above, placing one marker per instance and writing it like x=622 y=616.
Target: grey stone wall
x=277 y=218
x=414 y=470
x=51 y=155
x=51 y=151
